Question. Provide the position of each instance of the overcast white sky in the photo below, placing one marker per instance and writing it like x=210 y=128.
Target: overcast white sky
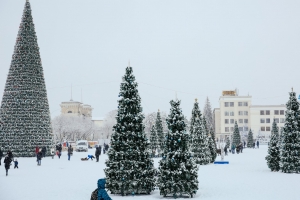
x=197 y=48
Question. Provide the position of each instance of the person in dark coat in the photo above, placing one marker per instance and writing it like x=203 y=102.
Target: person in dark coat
x=257 y=144
x=100 y=149
x=244 y=144
x=225 y=150
x=70 y=151
x=44 y=150
x=16 y=164
x=241 y=148
x=253 y=145
x=10 y=155
x=7 y=161
x=58 y=149
x=1 y=155
x=97 y=154
x=39 y=158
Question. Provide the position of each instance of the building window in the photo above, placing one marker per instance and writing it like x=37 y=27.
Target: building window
x=262 y=128
x=231 y=121
x=276 y=112
x=262 y=120
x=226 y=113
x=268 y=120
x=277 y=120
x=262 y=112
x=240 y=112
x=226 y=129
x=246 y=121
x=282 y=120
x=231 y=113
x=231 y=129
x=226 y=104
x=226 y=121
x=240 y=128
x=69 y=111
x=241 y=121
x=281 y=112
x=245 y=112
x=240 y=103
x=246 y=128
x=267 y=112
x=268 y=128
x=231 y=104
x=245 y=103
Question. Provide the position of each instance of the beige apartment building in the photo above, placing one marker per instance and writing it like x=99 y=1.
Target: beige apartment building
x=76 y=108
x=258 y=118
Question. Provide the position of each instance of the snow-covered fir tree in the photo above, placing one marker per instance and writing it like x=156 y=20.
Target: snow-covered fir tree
x=199 y=137
x=273 y=156
x=208 y=138
x=227 y=142
x=290 y=152
x=153 y=140
x=250 y=139
x=24 y=115
x=236 y=137
x=159 y=132
x=207 y=113
x=212 y=145
x=130 y=169
x=178 y=170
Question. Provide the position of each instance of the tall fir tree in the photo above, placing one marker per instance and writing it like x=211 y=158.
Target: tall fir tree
x=178 y=170
x=250 y=139
x=198 y=137
x=153 y=140
x=24 y=114
x=290 y=152
x=273 y=157
x=212 y=145
x=208 y=114
x=159 y=132
x=130 y=169
x=236 y=139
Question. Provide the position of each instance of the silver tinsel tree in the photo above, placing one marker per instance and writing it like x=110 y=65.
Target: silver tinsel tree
x=24 y=114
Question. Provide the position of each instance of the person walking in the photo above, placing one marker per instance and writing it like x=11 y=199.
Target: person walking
x=1 y=154
x=253 y=145
x=244 y=144
x=52 y=152
x=39 y=158
x=232 y=148
x=225 y=150
x=37 y=149
x=16 y=164
x=44 y=150
x=7 y=161
x=70 y=151
x=241 y=148
x=58 y=149
x=257 y=144
x=97 y=154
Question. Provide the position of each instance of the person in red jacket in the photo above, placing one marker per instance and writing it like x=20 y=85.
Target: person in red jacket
x=37 y=150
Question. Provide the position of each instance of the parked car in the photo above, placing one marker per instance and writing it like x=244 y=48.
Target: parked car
x=82 y=145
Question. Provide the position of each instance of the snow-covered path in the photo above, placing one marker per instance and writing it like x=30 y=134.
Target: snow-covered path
x=246 y=177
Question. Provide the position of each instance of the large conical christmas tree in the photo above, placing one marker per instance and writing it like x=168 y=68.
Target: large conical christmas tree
x=153 y=140
x=236 y=139
x=130 y=169
x=199 y=137
x=159 y=132
x=290 y=152
x=250 y=139
x=24 y=114
x=273 y=150
x=178 y=170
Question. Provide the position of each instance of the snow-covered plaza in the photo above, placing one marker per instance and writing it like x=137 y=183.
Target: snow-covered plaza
x=246 y=177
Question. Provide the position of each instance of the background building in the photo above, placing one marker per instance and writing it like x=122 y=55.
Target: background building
x=76 y=108
x=239 y=108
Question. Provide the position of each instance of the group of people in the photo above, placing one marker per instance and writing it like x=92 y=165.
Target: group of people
x=105 y=148
x=239 y=148
x=7 y=160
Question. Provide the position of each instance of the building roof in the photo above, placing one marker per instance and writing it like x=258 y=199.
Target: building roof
x=260 y=106
x=98 y=119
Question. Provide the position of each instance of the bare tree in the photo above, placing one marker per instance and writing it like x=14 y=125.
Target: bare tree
x=207 y=113
x=106 y=129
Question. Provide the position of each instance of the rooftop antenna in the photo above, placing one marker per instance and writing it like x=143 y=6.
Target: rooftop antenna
x=71 y=93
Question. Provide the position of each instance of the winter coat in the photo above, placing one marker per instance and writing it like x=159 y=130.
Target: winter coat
x=7 y=161
x=257 y=143
x=59 y=147
x=225 y=149
x=39 y=155
x=44 y=150
x=10 y=155
x=1 y=153
x=70 y=150
x=37 y=150
x=98 y=151
x=52 y=151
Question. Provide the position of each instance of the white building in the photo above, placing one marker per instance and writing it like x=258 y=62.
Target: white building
x=76 y=108
x=258 y=118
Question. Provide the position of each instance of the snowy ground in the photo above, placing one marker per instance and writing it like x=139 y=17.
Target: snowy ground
x=246 y=177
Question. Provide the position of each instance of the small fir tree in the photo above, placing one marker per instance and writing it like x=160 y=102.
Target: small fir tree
x=227 y=142
x=290 y=153
x=198 y=137
x=129 y=169
x=24 y=115
x=178 y=170
x=153 y=140
x=273 y=156
x=208 y=114
x=250 y=139
x=212 y=146
x=236 y=139
x=159 y=132
x=206 y=131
